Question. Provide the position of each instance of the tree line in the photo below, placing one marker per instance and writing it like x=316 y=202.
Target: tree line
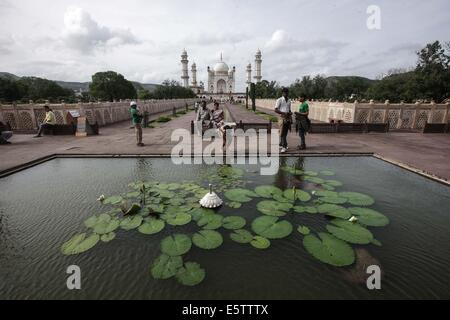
x=105 y=86
x=429 y=80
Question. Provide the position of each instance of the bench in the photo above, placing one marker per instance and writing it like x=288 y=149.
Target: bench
x=61 y=130
x=348 y=127
x=5 y=133
x=436 y=128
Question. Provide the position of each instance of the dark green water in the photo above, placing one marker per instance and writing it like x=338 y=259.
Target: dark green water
x=42 y=207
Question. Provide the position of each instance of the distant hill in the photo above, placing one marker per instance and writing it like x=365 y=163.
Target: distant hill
x=334 y=79
x=77 y=86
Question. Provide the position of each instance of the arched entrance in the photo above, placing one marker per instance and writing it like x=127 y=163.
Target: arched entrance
x=221 y=86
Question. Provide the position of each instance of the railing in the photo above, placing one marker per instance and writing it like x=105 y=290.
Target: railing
x=399 y=116
x=27 y=117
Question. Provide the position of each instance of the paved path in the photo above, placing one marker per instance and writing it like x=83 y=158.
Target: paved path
x=239 y=113
x=428 y=152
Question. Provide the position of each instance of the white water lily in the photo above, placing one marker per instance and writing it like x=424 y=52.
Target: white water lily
x=353 y=219
x=101 y=198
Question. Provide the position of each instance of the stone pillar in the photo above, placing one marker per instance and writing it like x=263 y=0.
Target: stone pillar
x=194 y=75
x=432 y=109
x=416 y=112
x=445 y=120
x=370 y=116
x=184 y=69
x=258 y=62
x=249 y=74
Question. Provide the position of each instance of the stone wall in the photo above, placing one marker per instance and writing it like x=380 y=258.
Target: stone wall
x=399 y=116
x=29 y=116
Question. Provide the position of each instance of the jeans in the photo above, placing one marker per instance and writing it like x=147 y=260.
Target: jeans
x=285 y=126
x=138 y=131
x=302 y=133
x=44 y=126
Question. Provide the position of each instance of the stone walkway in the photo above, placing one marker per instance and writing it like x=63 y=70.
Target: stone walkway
x=427 y=152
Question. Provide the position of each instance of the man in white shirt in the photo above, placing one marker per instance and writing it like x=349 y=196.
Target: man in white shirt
x=283 y=108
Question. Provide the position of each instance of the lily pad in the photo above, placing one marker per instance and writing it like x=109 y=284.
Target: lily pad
x=135 y=208
x=333 y=183
x=191 y=274
x=350 y=232
x=91 y=222
x=199 y=213
x=179 y=219
x=315 y=180
x=333 y=200
x=241 y=236
x=113 y=200
x=329 y=249
x=176 y=245
x=207 y=239
x=108 y=237
x=327 y=173
x=293 y=194
x=79 y=244
x=267 y=191
x=281 y=198
x=305 y=209
x=234 y=205
x=260 y=242
x=370 y=217
x=334 y=210
x=325 y=193
x=240 y=195
x=210 y=221
x=358 y=199
x=311 y=173
x=104 y=226
x=271 y=228
x=233 y=222
x=152 y=226
x=165 y=267
x=304 y=230
x=133 y=194
x=130 y=223
x=273 y=208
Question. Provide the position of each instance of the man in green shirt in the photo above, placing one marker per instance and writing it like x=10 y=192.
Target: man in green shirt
x=136 y=119
x=303 y=121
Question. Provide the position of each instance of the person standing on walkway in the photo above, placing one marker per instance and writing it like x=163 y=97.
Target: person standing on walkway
x=283 y=108
x=303 y=121
x=49 y=121
x=136 y=118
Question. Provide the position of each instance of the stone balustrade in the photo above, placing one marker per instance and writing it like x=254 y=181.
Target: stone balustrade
x=27 y=117
x=399 y=115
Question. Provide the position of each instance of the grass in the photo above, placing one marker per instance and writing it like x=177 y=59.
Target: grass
x=163 y=119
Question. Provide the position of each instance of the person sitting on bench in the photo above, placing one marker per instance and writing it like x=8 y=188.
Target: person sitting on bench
x=5 y=134
x=49 y=121
x=217 y=116
x=203 y=119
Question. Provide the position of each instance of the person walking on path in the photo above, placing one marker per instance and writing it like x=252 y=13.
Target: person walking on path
x=303 y=121
x=49 y=121
x=136 y=118
x=283 y=108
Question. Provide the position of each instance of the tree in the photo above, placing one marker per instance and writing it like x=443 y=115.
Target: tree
x=171 y=89
x=110 y=86
x=10 y=91
x=267 y=90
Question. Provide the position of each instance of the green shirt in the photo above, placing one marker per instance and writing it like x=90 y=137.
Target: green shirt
x=303 y=108
x=135 y=117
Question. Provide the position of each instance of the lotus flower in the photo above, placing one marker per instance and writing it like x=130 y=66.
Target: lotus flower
x=101 y=198
x=353 y=219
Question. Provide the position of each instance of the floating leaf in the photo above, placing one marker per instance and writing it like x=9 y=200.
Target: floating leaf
x=133 y=194
x=151 y=226
x=108 y=237
x=326 y=193
x=305 y=209
x=199 y=213
x=370 y=217
x=271 y=228
x=333 y=183
x=334 y=200
x=314 y=179
x=79 y=244
x=268 y=191
x=334 y=210
x=210 y=221
x=240 y=195
x=179 y=219
x=350 y=232
x=234 y=205
x=260 y=242
x=130 y=223
x=176 y=245
x=165 y=267
x=104 y=226
x=357 y=199
x=241 y=236
x=280 y=198
x=273 y=208
x=91 y=222
x=303 y=230
x=233 y=222
x=191 y=274
x=113 y=200
x=207 y=239
x=327 y=173
x=311 y=173
x=299 y=194
x=329 y=249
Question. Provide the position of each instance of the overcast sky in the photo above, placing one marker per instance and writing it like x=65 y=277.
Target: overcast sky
x=143 y=40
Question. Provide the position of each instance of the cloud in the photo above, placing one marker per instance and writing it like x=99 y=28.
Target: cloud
x=84 y=34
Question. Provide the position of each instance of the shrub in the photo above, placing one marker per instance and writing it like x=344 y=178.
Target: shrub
x=163 y=119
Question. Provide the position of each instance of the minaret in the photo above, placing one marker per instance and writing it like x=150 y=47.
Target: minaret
x=258 y=61
x=194 y=74
x=249 y=74
x=184 y=69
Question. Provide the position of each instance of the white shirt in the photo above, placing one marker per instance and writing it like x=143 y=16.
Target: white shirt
x=282 y=105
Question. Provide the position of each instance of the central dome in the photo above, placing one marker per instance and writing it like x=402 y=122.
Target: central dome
x=221 y=67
